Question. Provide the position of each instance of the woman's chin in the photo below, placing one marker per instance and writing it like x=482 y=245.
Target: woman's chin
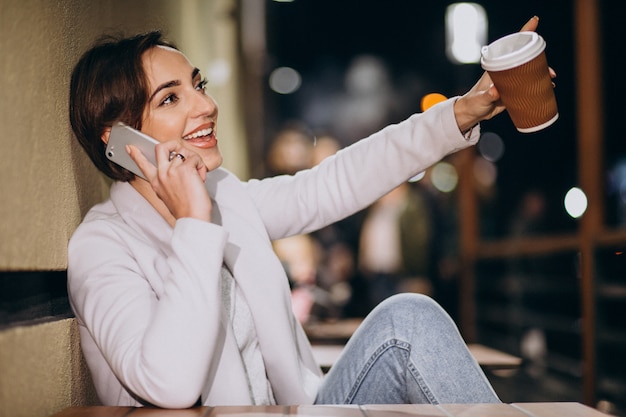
x=212 y=162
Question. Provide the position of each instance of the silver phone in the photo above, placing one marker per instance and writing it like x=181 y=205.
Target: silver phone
x=122 y=135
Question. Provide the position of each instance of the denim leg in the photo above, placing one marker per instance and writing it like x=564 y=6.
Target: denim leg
x=407 y=350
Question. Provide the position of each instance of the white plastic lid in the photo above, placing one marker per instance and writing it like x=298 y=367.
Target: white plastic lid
x=511 y=51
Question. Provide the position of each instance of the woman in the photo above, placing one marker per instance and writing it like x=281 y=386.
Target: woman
x=179 y=297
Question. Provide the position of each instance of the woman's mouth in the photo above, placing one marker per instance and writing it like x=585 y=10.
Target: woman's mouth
x=199 y=134
x=202 y=138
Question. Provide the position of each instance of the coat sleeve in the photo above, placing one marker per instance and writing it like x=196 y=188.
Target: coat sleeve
x=138 y=314
x=359 y=174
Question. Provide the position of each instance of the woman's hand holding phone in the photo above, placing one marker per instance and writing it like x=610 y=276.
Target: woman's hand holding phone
x=177 y=179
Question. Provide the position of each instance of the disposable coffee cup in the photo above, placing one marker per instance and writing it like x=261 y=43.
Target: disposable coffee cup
x=518 y=67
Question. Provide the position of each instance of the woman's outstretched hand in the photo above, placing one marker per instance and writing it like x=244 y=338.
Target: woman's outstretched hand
x=482 y=101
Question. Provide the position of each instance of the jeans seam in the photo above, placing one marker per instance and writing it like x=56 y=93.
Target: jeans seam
x=373 y=358
x=421 y=383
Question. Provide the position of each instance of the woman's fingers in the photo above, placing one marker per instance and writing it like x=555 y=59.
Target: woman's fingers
x=191 y=160
x=531 y=25
x=482 y=102
x=200 y=167
x=179 y=181
x=148 y=169
x=172 y=155
x=168 y=155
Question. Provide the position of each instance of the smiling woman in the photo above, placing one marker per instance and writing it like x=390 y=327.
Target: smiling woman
x=177 y=291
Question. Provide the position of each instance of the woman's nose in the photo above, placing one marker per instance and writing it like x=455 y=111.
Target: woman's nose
x=204 y=105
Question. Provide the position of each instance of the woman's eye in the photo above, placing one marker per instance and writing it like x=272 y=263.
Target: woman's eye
x=202 y=86
x=170 y=99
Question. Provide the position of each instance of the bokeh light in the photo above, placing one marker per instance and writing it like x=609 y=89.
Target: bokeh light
x=485 y=172
x=444 y=177
x=491 y=146
x=431 y=99
x=466 y=32
x=575 y=202
x=219 y=72
x=285 y=80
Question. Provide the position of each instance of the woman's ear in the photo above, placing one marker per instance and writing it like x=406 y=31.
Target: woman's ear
x=105 y=135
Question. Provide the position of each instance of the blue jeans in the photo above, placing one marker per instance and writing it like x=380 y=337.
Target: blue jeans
x=407 y=351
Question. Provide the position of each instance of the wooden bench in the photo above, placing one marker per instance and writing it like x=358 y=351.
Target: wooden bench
x=564 y=409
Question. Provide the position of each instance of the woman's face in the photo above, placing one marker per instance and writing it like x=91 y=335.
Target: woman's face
x=178 y=107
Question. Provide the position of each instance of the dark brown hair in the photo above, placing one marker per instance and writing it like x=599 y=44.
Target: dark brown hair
x=109 y=84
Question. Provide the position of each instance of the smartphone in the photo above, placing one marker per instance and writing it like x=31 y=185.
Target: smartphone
x=122 y=135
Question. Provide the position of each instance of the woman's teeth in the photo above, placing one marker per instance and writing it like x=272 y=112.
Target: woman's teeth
x=199 y=133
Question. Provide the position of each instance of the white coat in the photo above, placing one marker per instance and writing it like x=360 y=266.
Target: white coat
x=147 y=296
